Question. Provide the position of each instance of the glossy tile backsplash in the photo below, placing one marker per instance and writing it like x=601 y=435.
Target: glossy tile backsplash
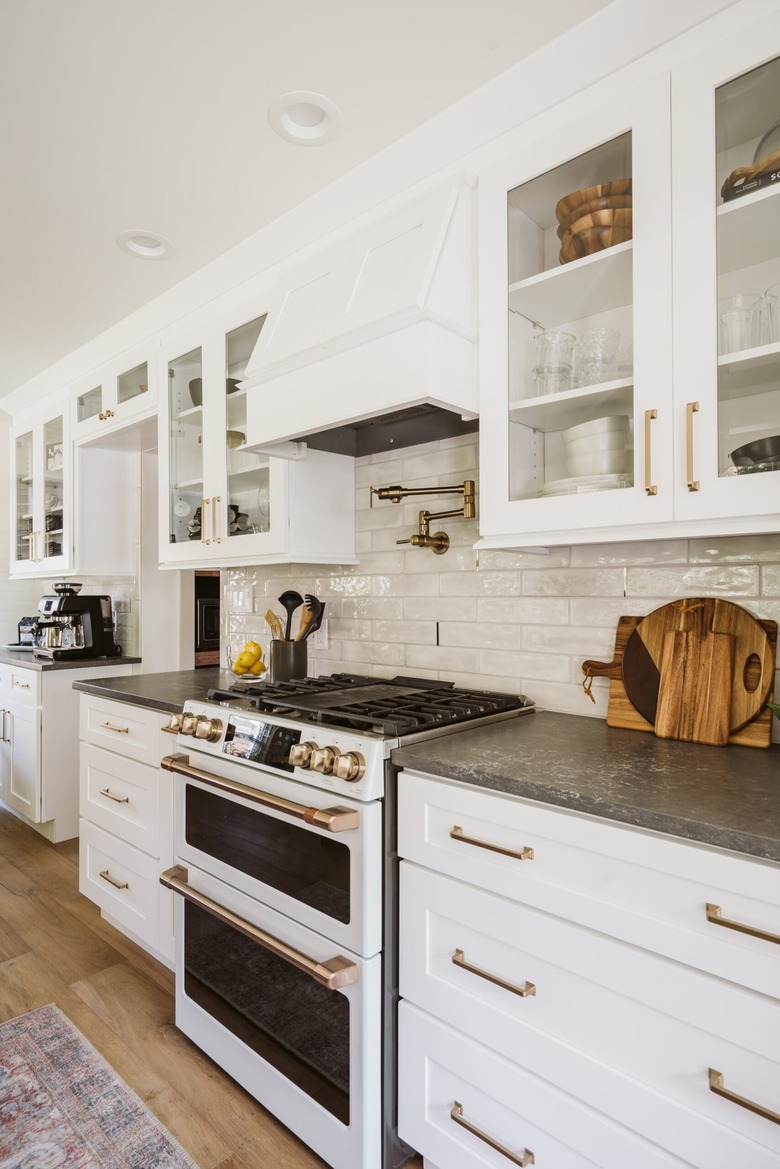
x=518 y=621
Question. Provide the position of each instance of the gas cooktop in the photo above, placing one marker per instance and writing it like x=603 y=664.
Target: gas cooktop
x=392 y=707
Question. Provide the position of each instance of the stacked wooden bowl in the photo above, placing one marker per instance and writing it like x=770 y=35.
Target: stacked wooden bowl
x=594 y=218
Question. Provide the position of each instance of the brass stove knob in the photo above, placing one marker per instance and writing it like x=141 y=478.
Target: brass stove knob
x=188 y=724
x=323 y=758
x=209 y=729
x=300 y=754
x=350 y=766
x=174 y=723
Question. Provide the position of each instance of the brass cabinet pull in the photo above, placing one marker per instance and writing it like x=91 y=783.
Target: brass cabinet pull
x=106 y=875
x=714 y=915
x=525 y=854
x=110 y=796
x=30 y=550
x=333 y=974
x=116 y=730
x=459 y=959
x=650 y=487
x=214 y=518
x=21 y=685
x=526 y=1157
x=690 y=409
x=105 y=415
x=203 y=505
x=338 y=819
x=3 y=737
x=718 y=1086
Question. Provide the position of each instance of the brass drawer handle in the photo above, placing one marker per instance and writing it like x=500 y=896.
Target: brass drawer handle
x=116 y=730
x=525 y=854
x=526 y=1157
x=690 y=409
x=459 y=959
x=717 y=1085
x=650 y=487
x=106 y=875
x=333 y=974
x=110 y=796
x=714 y=915
x=21 y=685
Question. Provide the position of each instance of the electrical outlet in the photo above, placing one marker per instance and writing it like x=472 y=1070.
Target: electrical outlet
x=319 y=639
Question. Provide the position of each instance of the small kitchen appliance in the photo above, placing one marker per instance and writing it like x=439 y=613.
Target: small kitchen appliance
x=27 y=627
x=287 y=892
x=74 y=626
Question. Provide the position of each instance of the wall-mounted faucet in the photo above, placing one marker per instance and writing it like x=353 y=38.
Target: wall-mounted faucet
x=439 y=542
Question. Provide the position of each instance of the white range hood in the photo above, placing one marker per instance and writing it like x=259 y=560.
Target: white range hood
x=381 y=325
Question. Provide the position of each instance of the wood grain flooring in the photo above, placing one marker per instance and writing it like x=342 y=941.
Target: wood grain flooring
x=56 y=948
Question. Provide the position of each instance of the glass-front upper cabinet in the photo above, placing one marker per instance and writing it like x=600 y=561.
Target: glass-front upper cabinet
x=575 y=333
x=117 y=393
x=727 y=278
x=41 y=533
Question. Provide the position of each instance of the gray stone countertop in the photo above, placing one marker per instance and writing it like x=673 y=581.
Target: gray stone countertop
x=13 y=657
x=723 y=796
x=158 y=691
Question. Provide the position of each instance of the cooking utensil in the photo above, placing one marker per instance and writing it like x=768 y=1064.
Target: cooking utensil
x=275 y=624
x=314 y=607
x=290 y=601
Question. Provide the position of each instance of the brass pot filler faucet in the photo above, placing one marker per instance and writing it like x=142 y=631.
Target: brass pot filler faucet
x=439 y=542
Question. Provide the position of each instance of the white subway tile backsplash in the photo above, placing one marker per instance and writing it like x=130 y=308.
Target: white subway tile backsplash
x=694 y=581
x=735 y=550
x=545 y=667
x=574 y=582
x=443 y=659
x=440 y=608
x=522 y=610
x=770 y=580
x=641 y=552
x=409 y=632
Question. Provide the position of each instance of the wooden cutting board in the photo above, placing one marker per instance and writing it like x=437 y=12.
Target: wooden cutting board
x=622 y=712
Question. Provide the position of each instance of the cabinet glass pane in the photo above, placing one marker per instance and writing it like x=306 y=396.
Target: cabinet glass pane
x=24 y=496
x=249 y=504
x=90 y=404
x=131 y=384
x=570 y=326
x=53 y=453
x=748 y=215
x=185 y=447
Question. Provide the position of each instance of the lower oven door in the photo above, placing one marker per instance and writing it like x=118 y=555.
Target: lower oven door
x=252 y=991
x=328 y=878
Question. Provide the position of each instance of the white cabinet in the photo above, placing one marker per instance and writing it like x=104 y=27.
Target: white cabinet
x=40 y=490
x=688 y=407
x=567 y=984
x=117 y=393
x=221 y=504
x=126 y=828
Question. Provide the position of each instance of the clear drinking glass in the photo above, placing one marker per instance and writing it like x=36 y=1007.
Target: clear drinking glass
x=739 y=322
x=552 y=379
x=554 y=347
x=772 y=309
x=597 y=356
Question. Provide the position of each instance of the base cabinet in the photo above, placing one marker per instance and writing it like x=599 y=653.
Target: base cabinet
x=557 y=1008
x=126 y=833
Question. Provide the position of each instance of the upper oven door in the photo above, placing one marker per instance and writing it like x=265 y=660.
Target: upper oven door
x=262 y=841
x=206 y=623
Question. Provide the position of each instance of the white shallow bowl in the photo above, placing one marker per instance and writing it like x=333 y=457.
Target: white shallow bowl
x=614 y=422
x=610 y=440
x=599 y=463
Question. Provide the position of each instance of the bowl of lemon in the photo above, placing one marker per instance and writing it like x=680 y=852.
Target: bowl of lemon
x=246 y=661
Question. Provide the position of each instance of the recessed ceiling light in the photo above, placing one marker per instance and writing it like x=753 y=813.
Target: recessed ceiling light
x=148 y=244
x=306 y=118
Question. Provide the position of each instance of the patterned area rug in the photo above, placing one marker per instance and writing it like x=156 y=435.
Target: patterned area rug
x=63 y=1107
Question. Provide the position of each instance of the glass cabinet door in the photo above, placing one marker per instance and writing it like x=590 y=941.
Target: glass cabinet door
x=247 y=474
x=132 y=383
x=23 y=486
x=186 y=502
x=41 y=492
x=89 y=404
x=53 y=534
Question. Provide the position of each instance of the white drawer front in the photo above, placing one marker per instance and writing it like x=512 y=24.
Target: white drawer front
x=661 y=1024
x=121 y=796
x=121 y=880
x=440 y=1068
x=649 y=889
x=133 y=731
x=22 y=685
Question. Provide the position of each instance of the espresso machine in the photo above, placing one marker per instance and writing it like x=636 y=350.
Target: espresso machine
x=72 y=626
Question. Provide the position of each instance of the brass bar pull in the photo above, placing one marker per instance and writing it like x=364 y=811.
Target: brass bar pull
x=214 y=518
x=650 y=487
x=203 y=505
x=116 y=730
x=106 y=875
x=35 y=558
x=333 y=974
x=526 y=1157
x=718 y=1086
x=528 y=988
x=30 y=537
x=337 y=819
x=110 y=796
x=690 y=409
x=3 y=738
x=525 y=854
x=21 y=685
x=714 y=915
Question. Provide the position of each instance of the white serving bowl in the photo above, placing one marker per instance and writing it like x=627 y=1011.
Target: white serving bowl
x=599 y=463
x=614 y=422
x=611 y=440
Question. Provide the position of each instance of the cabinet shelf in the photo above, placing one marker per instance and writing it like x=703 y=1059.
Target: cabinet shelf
x=573 y=407
x=192 y=416
x=188 y=484
x=747 y=230
x=753 y=371
x=602 y=281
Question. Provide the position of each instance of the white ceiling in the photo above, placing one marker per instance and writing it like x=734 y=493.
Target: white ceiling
x=152 y=114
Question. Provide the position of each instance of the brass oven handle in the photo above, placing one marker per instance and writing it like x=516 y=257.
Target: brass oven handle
x=106 y=875
x=110 y=796
x=691 y=408
x=338 y=819
x=650 y=487
x=718 y=1086
x=522 y=1159
x=459 y=959
x=117 y=730
x=214 y=517
x=525 y=854
x=333 y=974
x=203 y=505
x=714 y=916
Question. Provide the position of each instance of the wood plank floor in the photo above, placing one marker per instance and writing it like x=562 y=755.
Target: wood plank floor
x=55 y=948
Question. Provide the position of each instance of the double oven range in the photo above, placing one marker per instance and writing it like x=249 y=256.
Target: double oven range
x=287 y=917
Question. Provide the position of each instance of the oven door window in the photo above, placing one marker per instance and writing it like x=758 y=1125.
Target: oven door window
x=297 y=1026
x=312 y=868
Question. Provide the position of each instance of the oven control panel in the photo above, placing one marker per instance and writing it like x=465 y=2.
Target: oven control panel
x=260 y=742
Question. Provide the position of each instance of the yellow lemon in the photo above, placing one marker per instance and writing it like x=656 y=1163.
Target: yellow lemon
x=253 y=649
x=257 y=668
x=239 y=669
x=245 y=659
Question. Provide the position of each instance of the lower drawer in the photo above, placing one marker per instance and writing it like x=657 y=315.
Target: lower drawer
x=121 y=880
x=121 y=796
x=446 y=1079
